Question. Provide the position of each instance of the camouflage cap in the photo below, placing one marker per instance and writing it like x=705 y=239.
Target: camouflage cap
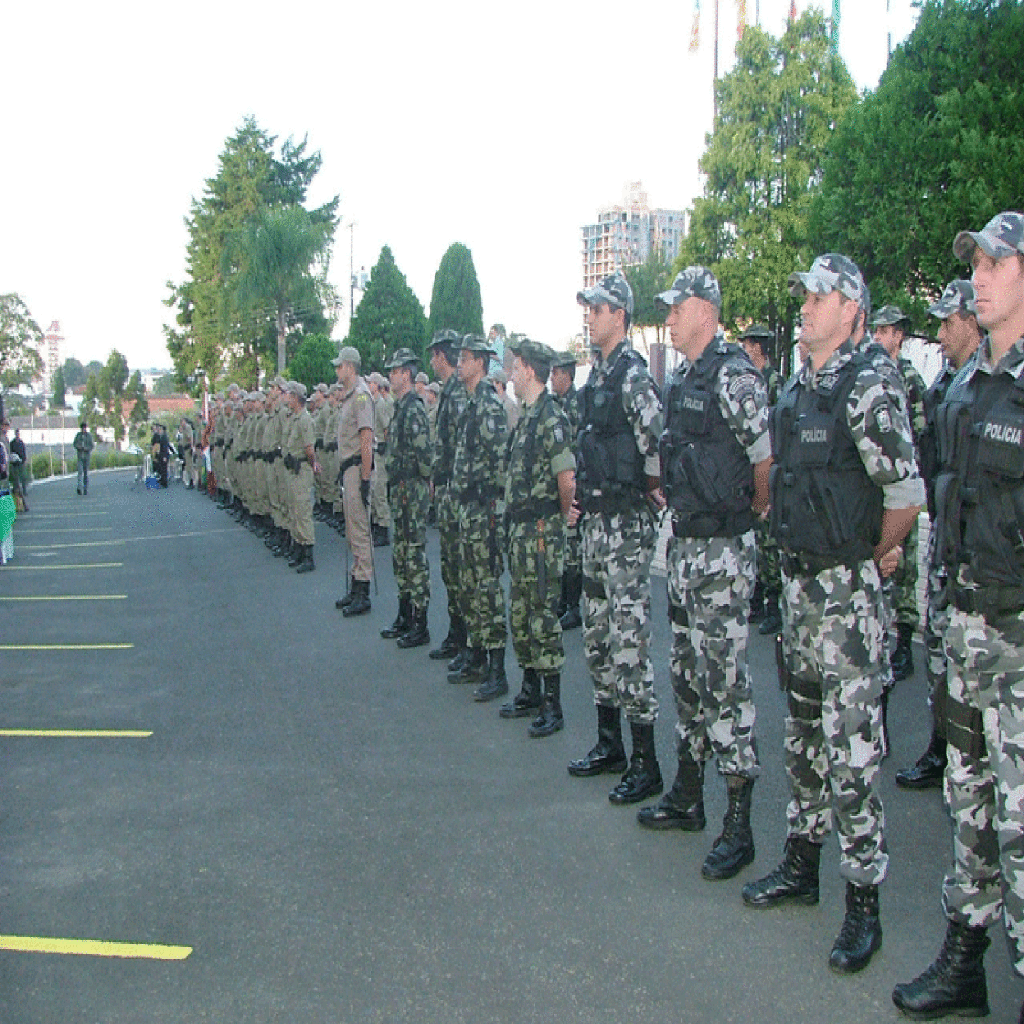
x=477 y=344
x=377 y=378
x=757 y=332
x=403 y=357
x=613 y=289
x=831 y=272
x=536 y=352
x=298 y=389
x=889 y=316
x=696 y=282
x=434 y=387
x=1002 y=236
x=447 y=337
x=499 y=376
x=422 y=378
x=957 y=297
x=565 y=361
x=280 y=383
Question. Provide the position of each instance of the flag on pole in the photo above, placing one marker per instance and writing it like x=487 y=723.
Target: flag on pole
x=695 y=31
x=741 y=17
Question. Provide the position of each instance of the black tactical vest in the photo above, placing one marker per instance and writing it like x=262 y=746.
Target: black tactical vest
x=706 y=475
x=927 y=443
x=979 y=490
x=609 y=466
x=824 y=504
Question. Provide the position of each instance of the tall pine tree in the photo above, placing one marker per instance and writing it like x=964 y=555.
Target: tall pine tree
x=455 y=301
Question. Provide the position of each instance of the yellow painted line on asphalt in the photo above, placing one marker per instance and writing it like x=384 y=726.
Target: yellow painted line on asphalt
x=122 y=540
x=90 y=565
x=23 y=532
x=33 y=516
x=102 y=734
x=93 y=947
x=65 y=647
x=69 y=597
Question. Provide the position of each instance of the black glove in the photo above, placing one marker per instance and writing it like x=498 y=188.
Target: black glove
x=364 y=492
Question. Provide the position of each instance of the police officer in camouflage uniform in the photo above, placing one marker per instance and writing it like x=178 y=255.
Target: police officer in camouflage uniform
x=844 y=492
x=563 y=386
x=764 y=604
x=617 y=481
x=715 y=458
x=407 y=463
x=478 y=481
x=539 y=490
x=979 y=497
x=451 y=403
x=959 y=336
x=889 y=325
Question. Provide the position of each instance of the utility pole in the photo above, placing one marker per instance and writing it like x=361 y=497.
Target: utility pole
x=351 y=272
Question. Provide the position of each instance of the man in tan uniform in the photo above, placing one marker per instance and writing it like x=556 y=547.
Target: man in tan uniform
x=301 y=465
x=355 y=448
x=383 y=410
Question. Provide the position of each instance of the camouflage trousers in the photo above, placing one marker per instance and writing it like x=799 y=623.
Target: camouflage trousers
x=481 y=596
x=409 y=500
x=573 y=547
x=535 y=555
x=448 y=536
x=769 y=571
x=903 y=584
x=617 y=553
x=709 y=587
x=832 y=634
x=985 y=785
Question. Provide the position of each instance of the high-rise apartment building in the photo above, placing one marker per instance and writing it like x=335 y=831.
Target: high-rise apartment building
x=625 y=235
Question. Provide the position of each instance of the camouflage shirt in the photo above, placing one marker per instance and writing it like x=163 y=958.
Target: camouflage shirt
x=570 y=404
x=408 y=455
x=641 y=402
x=540 y=449
x=451 y=404
x=877 y=417
x=916 y=389
x=478 y=470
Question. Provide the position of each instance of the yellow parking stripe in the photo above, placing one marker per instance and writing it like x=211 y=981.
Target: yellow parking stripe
x=65 y=647
x=93 y=947
x=123 y=540
x=24 y=532
x=68 y=597
x=106 y=734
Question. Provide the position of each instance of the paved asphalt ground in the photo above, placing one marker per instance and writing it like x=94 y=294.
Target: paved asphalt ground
x=339 y=835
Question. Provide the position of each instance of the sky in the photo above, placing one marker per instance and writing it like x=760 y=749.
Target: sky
x=503 y=127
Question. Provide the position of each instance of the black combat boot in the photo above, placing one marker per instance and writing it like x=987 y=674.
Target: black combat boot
x=928 y=771
x=402 y=621
x=795 y=880
x=380 y=537
x=902 y=660
x=473 y=668
x=360 y=603
x=454 y=642
x=494 y=684
x=643 y=776
x=954 y=983
x=608 y=754
x=306 y=563
x=734 y=848
x=861 y=933
x=772 y=621
x=683 y=805
x=343 y=602
x=527 y=700
x=573 y=580
x=417 y=635
x=298 y=554
x=550 y=720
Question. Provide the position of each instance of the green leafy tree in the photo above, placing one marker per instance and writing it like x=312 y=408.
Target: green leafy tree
x=389 y=316
x=647 y=279
x=74 y=373
x=936 y=148
x=166 y=385
x=212 y=331
x=93 y=366
x=311 y=364
x=20 y=338
x=272 y=259
x=59 y=399
x=777 y=109
x=135 y=391
x=455 y=301
x=90 y=407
